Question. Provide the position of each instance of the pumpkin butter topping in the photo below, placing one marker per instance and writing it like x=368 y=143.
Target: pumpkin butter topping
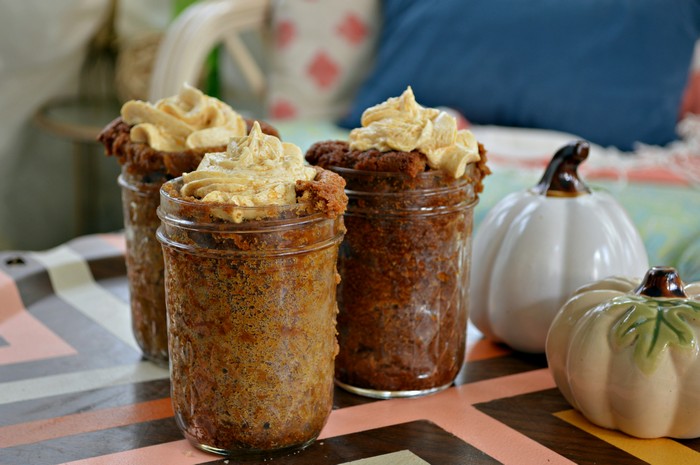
x=188 y=120
x=401 y=124
x=255 y=170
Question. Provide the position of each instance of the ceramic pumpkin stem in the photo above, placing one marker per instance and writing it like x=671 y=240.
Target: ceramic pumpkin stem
x=661 y=281
x=561 y=179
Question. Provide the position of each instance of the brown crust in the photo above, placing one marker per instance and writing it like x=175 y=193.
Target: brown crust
x=337 y=153
x=326 y=193
x=141 y=160
x=479 y=171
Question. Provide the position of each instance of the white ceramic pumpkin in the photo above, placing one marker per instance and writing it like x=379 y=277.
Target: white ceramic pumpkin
x=626 y=355
x=536 y=247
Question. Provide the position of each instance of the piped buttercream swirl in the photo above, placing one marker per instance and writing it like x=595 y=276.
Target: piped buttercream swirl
x=255 y=170
x=401 y=124
x=188 y=120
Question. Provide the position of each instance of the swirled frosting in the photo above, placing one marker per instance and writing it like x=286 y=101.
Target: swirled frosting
x=255 y=170
x=401 y=124
x=185 y=121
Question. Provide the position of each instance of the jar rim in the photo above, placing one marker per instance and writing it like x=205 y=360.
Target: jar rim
x=221 y=214
x=389 y=184
x=137 y=186
x=392 y=174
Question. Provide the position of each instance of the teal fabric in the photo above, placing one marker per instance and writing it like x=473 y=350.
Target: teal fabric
x=610 y=71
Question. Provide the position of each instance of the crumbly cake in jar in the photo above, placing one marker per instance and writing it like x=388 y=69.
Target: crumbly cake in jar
x=404 y=261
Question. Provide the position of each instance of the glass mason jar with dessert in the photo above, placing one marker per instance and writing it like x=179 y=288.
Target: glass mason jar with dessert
x=154 y=143
x=250 y=241
x=412 y=180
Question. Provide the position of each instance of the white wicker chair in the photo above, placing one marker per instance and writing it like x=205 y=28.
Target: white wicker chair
x=195 y=32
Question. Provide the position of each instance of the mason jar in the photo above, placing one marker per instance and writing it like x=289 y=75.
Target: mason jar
x=144 y=264
x=403 y=295
x=251 y=304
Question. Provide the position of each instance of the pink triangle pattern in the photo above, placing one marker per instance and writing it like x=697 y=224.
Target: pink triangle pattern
x=26 y=337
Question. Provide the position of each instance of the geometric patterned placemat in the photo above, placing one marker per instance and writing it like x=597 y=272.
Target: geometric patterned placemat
x=74 y=389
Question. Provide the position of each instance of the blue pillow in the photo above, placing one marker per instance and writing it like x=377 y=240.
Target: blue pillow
x=610 y=71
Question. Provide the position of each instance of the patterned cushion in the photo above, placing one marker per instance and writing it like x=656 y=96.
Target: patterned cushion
x=320 y=55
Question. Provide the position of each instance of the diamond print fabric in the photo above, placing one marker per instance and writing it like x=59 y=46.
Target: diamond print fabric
x=322 y=51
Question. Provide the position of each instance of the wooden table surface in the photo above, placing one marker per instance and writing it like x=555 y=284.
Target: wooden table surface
x=74 y=389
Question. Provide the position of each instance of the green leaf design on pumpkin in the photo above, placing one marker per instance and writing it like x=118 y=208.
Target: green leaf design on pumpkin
x=652 y=325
